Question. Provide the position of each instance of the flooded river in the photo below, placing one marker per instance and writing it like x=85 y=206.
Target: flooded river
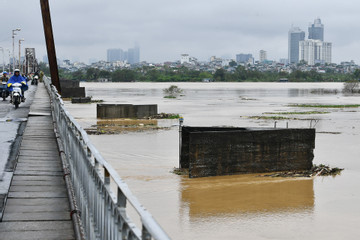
x=242 y=206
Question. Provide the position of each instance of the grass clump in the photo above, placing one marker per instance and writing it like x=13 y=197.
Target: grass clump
x=269 y=117
x=172 y=92
x=180 y=171
x=297 y=113
x=165 y=116
x=325 y=106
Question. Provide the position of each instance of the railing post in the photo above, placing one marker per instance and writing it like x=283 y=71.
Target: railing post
x=145 y=235
x=121 y=199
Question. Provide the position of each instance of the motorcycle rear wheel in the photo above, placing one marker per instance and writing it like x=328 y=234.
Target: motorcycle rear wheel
x=16 y=102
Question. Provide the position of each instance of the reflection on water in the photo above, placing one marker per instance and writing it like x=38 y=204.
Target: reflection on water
x=245 y=194
x=236 y=207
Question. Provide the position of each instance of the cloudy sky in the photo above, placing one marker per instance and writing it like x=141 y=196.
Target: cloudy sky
x=164 y=29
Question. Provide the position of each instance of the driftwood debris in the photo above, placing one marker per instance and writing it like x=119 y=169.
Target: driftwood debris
x=316 y=170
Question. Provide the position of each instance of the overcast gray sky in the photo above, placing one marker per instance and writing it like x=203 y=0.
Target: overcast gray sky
x=164 y=29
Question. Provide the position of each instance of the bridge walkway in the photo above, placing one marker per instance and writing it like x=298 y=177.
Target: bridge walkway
x=38 y=206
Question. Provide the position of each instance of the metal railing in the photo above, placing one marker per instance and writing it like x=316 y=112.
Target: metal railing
x=100 y=193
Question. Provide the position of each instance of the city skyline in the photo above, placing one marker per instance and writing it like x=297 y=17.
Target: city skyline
x=165 y=29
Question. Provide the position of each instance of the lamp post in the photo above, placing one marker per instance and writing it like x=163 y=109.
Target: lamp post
x=2 y=49
x=13 y=52
x=20 y=40
x=8 y=50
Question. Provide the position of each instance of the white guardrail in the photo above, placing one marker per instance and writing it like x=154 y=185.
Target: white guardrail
x=103 y=208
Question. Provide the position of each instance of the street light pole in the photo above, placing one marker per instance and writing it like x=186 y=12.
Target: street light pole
x=13 y=53
x=2 y=49
x=9 y=58
x=20 y=40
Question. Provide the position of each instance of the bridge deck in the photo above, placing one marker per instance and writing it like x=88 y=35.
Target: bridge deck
x=37 y=206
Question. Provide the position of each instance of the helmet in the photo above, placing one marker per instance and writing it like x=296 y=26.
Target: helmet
x=5 y=72
x=16 y=70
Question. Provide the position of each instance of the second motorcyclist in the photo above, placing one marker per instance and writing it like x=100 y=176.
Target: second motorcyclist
x=4 y=77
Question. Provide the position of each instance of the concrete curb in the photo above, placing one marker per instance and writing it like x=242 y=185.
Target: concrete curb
x=10 y=165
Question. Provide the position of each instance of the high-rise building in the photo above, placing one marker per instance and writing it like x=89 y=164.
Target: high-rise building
x=262 y=55
x=315 y=51
x=243 y=58
x=133 y=55
x=114 y=55
x=295 y=36
x=316 y=30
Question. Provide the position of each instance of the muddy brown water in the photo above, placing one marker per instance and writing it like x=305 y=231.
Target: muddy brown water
x=241 y=206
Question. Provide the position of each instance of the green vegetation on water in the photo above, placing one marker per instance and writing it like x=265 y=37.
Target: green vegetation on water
x=166 y=116
x=269 y=117
x=325 y=106
x=296 y=113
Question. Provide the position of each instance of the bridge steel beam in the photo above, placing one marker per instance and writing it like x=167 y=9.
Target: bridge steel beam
x=50 y=45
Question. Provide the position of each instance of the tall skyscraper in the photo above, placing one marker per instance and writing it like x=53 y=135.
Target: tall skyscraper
x=295 y=36
x=262 y=55
x=316 y=30
x=315 y=50
x=114 y=55
x=131 y=56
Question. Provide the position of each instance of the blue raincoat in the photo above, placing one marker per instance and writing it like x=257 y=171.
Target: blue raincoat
x=17 y=79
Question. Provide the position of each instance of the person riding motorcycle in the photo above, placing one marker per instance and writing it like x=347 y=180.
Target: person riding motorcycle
x=4 y=77
x=17 y=78
x=25 y=77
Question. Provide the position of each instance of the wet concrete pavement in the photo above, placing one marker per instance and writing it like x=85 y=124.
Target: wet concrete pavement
x=12 y=124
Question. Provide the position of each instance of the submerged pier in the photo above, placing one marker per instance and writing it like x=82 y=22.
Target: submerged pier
x=214 y=151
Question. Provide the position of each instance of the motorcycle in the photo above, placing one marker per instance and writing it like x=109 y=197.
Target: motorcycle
x=35 y=80
x=4 y=91
x=16 y=95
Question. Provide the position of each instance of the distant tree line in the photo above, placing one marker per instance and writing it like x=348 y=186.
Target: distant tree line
x=183 y=74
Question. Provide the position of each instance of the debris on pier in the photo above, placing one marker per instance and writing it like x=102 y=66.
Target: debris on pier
x=320 y=170
x=122 y=125
x=165 y=116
